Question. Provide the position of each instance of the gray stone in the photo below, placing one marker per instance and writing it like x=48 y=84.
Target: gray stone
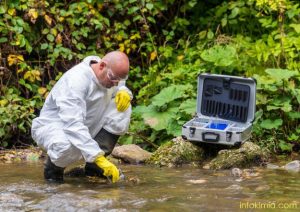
x=272 y=166
x=131 y=153
x=247 y=155
x=176 y=153
x=234 y=187
x=11 y=202
x=293 y=166
x=236 y=172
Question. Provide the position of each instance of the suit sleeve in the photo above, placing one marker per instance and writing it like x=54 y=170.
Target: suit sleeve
x=72 y=112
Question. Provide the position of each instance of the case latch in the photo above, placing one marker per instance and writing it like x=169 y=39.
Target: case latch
x=228 y=136
x=192 y=131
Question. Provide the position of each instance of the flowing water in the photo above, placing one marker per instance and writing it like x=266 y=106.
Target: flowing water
x=22 y=188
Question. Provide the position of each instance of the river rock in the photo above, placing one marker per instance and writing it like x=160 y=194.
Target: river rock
x=11 y=202
x=176 y=153
x=272 y=166
x=236 y=172
x=131 y=153
x=247 y=155
x=293 y=166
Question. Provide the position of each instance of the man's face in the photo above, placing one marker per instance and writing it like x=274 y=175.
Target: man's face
x=108 y=78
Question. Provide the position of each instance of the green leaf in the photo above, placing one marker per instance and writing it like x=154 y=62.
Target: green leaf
x=296 y=93
x=210 y=35
x=220 y=55
x=21 y=126
x=271 y=124
x=28 y=46
x=127 y=22
x=20 y=22
x=285 y=146
x=50 y=37
x=189 y=106
x=137 y=18
x=3 y=40
x=2 y=132
x=202 y=34
x=44 y=46
x=224 y=22
x=158 y=120
x=151 y=19
x=283 y=103
x=294 y=115
x=45 y=31
x=220 y=10
x=296 y=27
x=234 y=13
x=258 y=115
x=280 y=74
x=139 y=110
x=128 y=140
x=293 y=137
x=149 y=6
x=272 y=107
x=2 y=10
x=173 y=128
x=169 y=94
x=132 y=10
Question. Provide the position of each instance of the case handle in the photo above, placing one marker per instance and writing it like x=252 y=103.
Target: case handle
x=210 y=136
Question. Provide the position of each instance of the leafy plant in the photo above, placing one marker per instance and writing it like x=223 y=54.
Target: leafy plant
x=169 y=43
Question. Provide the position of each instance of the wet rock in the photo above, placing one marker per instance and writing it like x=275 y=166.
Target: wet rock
x=247 y=155
x=262 y=188
x=249 y=173
x=234 y=187
x=11 y=202
x=133 y=180
x=236 y=172
x=32 y=154
x=293 y=166
x=114 y=160
x=199 y=181
x=272 y=166
x=131 y=153
x=176 y=153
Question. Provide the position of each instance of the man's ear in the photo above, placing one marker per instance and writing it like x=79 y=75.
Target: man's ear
x=103 y=64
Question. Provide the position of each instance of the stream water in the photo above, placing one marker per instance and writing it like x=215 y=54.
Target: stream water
x=22 y=188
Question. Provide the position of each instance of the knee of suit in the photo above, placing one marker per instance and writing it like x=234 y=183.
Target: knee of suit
x=63 y=153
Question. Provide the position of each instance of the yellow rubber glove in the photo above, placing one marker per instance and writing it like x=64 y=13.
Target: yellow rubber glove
x=108 y=168
x=122 y=100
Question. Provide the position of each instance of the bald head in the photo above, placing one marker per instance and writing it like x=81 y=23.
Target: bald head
x=118 y=62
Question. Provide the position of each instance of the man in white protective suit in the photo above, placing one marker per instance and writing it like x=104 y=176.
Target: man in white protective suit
x=84 y=115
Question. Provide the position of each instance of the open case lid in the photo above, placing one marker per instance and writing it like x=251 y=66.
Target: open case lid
x=226 y=97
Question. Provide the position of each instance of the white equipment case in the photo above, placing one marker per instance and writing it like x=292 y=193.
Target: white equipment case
x=225 y=110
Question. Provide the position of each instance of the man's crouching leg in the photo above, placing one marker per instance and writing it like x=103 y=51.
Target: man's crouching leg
x=106 y=142
x=60 y=154
x=53 y=173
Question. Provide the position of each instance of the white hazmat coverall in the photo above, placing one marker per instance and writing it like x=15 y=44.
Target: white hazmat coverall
x=75 y=110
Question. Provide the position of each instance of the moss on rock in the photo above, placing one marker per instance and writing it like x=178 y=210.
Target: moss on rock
x=248 y=154
x=176 y=153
